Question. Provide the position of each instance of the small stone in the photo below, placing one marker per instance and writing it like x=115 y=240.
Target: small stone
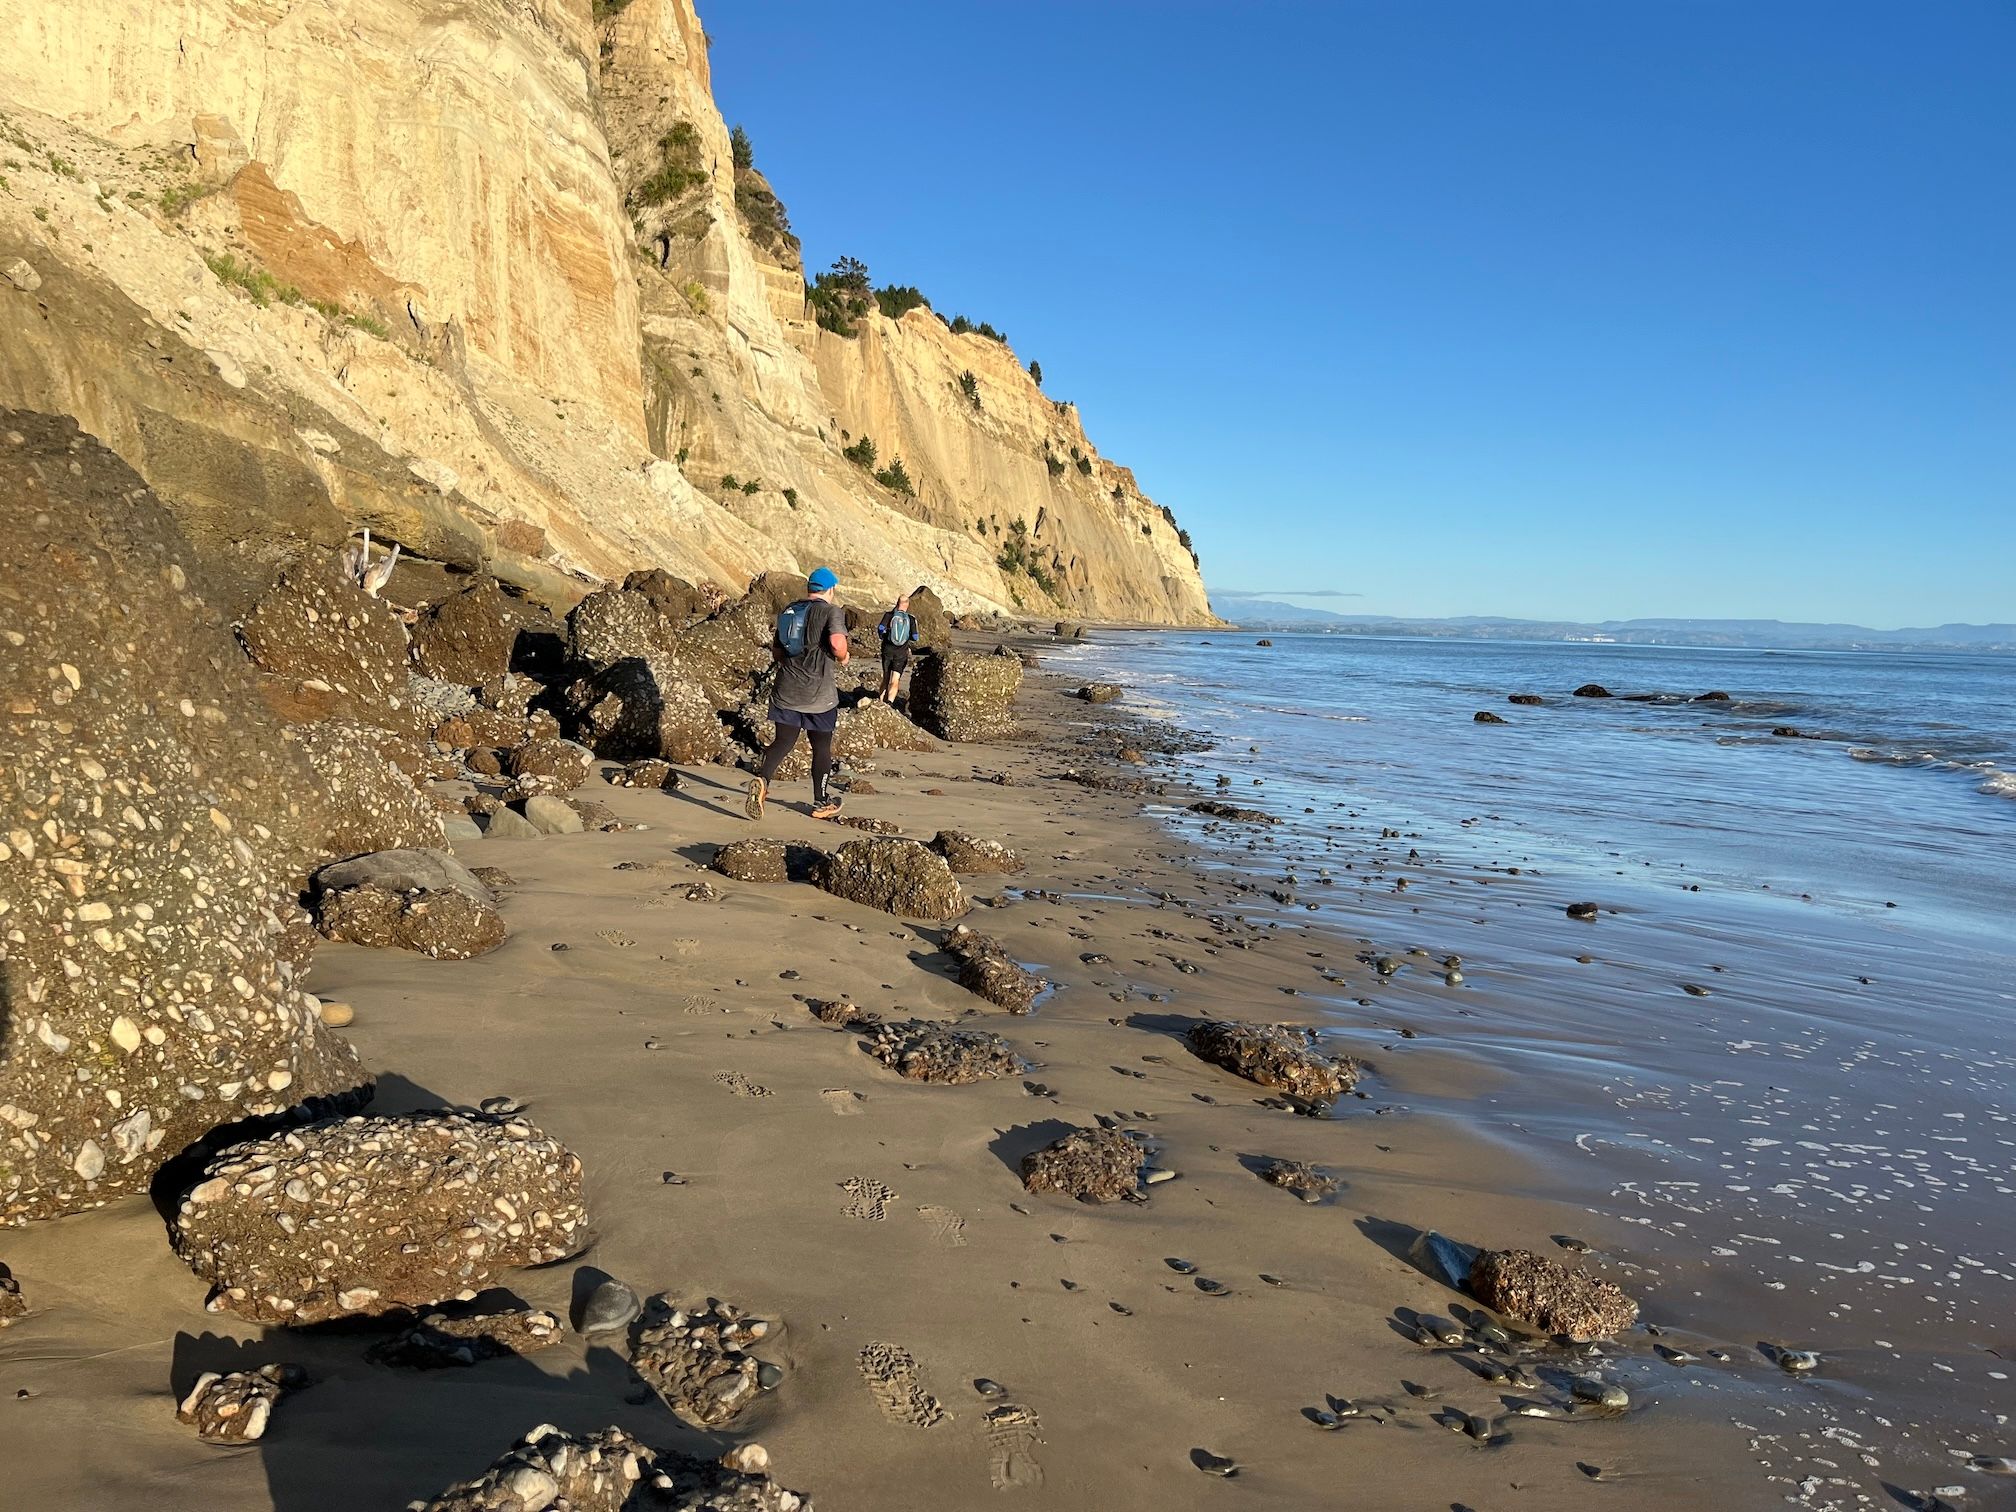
x=1582 y=910
x=1203 y=1459
x=21 y=274
x=610 y=1308
x=336 y=1015
x=1603 y=1393
x=1797 y=1361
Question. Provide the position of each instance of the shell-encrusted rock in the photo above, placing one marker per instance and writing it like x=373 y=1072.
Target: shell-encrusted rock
x=154 y=824
x=1274 y=1055
x=1093 y=1165
x=896 y=876
x=368 y=803
x=987 y=970
x=482 y=631
x=611 y=1472
x=920 y=1050
x=1550 y=1296
x=314 y=628
x=959 y=696
x=697 y=1359
x=381 y=1214
x=969 y=855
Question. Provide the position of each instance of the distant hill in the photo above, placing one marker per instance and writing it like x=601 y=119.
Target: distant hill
x=1781 y=635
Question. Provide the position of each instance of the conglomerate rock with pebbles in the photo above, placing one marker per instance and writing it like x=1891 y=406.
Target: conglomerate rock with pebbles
x=987 y=970
x=153 y=823
x=969 y=855
x=1550 y=1296
x=1093 y=1165
x=553 y=1471
x=483 y=630
x=959 y=696
x=1274 y=1055
x=368 y=803
x=236 y=1408
x=420 y=900
x=697 y=1358
x=923 y=1051
x=897 y=876
x=644 y=706
x=361 y=1216
x=327 y=636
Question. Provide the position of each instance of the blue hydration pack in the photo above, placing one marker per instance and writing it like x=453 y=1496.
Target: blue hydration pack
x=901 y=627
x=791 y=628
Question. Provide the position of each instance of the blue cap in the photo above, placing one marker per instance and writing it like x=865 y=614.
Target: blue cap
x=822 y=578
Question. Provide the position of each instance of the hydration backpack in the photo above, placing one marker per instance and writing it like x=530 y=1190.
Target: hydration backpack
x=791 y=628
x=901 y=627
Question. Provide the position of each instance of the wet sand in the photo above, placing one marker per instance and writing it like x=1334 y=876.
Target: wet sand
x=821 y=1191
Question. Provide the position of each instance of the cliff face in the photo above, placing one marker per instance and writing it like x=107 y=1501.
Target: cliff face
x=483 y=275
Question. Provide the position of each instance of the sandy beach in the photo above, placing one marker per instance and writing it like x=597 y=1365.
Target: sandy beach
x=738 y=1148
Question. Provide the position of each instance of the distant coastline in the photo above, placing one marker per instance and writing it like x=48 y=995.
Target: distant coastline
x=1754 y=635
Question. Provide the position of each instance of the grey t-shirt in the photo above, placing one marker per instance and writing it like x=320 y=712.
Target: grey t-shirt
x=806 y=683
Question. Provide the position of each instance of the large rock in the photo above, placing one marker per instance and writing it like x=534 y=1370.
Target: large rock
x=1274 y=1055
x=1093 y=1165
x=675 y=599
x=419 y=900
x=482 y=631
x=934 y=625
x=896 y=876
x=555 y=766
x=871 y=726
x=958 y=696
x=592 y=1473
x=987 y=970
x=697 y=1359
x=645 y=706
x=923 y=1051
x=361 y=1216
x=321 y=632
x=365 y=802
x=614 y=624
x=153 y=824
x=970 y=856
x=1550 y=1296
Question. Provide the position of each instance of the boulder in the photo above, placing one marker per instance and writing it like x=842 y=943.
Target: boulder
x=752 y=861
x=154 y=824
x=1216 y=810
x=552 y=816
x=870 y=726
x=615 y=624
x=561 y=763
x=697 y=1359
x=934 y=625
x=897 y=876
x=1530 y=700
x=419 y=900
x=483 y=630
x=320 y=632
x=970 y=856
x=1274 y=1055
x=1066 y=630
x=987 y=970
x=645 y=707
x=1093 y=1165
x=959 y=696
x=1099 y=693
x=651 y=772
x=364 y=802
x=1551 y=1297
x=236 y=1408
x=1485 y=716
x=500 y=823
x=1592 y=690
x=1716 y=696
x=923 y=1051
x=589 y=1473
x=361 y=1216
x=675 y=599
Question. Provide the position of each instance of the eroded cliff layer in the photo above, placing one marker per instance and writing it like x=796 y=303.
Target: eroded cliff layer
x=488 y=278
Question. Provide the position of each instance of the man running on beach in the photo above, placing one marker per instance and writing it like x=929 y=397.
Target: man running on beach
x=810 y=641
x=899 y=632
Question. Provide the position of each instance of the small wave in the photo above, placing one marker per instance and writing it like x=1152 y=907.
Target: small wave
x=1314 y=714
x=1898 y=758
x=2000 y=785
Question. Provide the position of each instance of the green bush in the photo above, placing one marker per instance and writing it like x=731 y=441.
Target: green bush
x=179 y=197
x=753 y=486
x=840 y=297
x=895 y=478
x=1085 y=464
x=679 y=168
x=791 y=497
x=961 y=326
x=763 y=213
x=970 y=387
x=1036 y=372
x=862 y=452
x=898 y=300
x=1054 y=462
x=740 y=149
x=729 y=482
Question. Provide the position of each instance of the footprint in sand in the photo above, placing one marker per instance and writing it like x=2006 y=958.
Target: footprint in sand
x=740 y=1085
x=843 y=1100
x=615 y=937
x=867 y=1198
x=1011 y=1445
x=701 y=1005
x=890 y=1374
x=946 y=1225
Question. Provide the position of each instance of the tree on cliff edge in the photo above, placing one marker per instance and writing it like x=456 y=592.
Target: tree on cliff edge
x=739 y=146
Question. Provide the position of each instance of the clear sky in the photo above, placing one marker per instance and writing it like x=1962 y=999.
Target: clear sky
x=1558 y=308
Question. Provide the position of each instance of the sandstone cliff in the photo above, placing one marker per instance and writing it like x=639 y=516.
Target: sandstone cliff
x=485 y=277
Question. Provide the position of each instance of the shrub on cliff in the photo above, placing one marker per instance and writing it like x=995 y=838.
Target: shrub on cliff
x=741 y=149
x=894 y=476
x=839 y=297
x=1036 y=372
x=861 y=452
x=970 y=387
x=898 y=300
x=679 y=168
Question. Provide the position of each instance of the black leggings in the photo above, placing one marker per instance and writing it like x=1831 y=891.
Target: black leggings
x=822 y=756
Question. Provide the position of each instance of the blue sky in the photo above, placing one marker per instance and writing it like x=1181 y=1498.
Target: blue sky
x=1558 y=308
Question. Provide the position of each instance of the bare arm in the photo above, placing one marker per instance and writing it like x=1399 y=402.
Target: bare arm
x=838 y=644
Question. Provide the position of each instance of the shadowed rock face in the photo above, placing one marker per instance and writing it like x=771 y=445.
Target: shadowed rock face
x=645 y=706
x=957 y=696
x=586 y=1473
x=896 y=876
x=481 y=632
x=153 y=823
x=361 y=1216
x=1094 y=1165
x=1550 y=1296
x=1273 y=1056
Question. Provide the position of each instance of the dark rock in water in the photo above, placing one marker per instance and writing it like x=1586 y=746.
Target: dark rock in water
x=651 y=772
x=1093 y=1165
x=1789 y=732
x=419 y=900
x=1065 y=630
x=897 y=876
x=968 y=855
x=1263 y=643
x=987 y=970
x=922 y=1051
x=1310 y=1183
x=154 y=948
x=764 y=861
x=1442 y=1258
x=1718 y=696
x=1099 y=693
x=697 y=1359
x=353 y=1217
x=1274 y=1055
x=1592 y=690
x=1582 y=910
x=609 y=1308
x=445 y=1341
x=1485 y=716
x=1531 y=700
x=1550 y=1296
x=958 y=696
x=485 y=630
x=586 y=1473
x=236 y=1408
x=1217 y=810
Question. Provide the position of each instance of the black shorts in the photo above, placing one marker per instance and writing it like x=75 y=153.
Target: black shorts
x=894 y=659
x=823 y=723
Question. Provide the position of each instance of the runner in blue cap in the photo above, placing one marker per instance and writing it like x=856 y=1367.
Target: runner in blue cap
x=810 y=642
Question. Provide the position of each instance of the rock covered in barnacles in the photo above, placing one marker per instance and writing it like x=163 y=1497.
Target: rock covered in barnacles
x=754 y=860
x=1274 y=1055
x=236 y=1408
x=897 y=876
x=419 y=900
x=987 y=970
x=920 y=1050
x=552 y=1471
x=1212 y=808
x=871 y=726
x=959 y=696
x=697 y=1359
x=154 y=827
x=645 y=706
x=360 y=1216
x=651 y=772
x=840 y=1012
x=969 y=855
x=442 y=1340
x=1099 y=692
x=483 y=631
x=1310 y=1183
x=1093 y=1165
x=548 y=765
x=1550 y=1296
